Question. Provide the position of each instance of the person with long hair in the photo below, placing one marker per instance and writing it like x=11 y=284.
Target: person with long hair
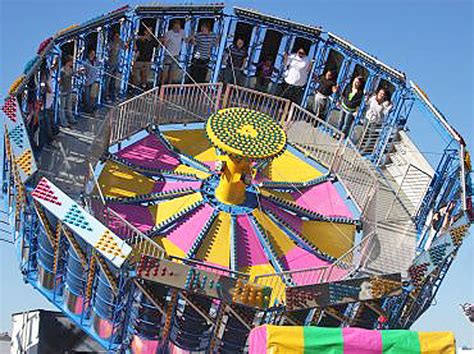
x=351 y=100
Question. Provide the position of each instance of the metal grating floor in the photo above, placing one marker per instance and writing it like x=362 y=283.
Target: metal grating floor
x=65 y=162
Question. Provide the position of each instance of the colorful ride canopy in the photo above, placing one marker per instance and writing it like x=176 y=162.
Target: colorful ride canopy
x=164 y=182
x=319 y=340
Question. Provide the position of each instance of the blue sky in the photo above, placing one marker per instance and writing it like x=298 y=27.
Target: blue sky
x=430 y=40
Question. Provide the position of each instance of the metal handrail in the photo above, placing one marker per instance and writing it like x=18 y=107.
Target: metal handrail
x=275 y=106
x=140 y=243
x=279 y=281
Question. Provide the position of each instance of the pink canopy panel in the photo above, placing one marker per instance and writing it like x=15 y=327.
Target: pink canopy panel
x=249 y=250
x=137 y=215
x=188 y=229
x=324 y=199
x=298 y=258
x=168 y=186
x=150 y=152
x=292 y=220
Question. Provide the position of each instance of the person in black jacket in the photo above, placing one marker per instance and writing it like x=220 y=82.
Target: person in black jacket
x=350 y=101
x=327 y=86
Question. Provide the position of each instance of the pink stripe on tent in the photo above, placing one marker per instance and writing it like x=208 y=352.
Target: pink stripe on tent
x=362 y=341
x=138 y=216
x=324 y=199
x=184 y=235
x=249 y=249
x=294 y=221
x=258 y=340
x=166 y=186
x=150 y=152
x=298 y=258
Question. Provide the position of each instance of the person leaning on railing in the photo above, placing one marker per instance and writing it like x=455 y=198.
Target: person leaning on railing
x=298 y=67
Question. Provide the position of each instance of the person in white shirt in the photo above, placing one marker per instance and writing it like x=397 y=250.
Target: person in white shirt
x=172 y=40
x=298 y=67
x=378 y=106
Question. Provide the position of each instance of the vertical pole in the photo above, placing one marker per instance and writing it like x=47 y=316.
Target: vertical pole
x=127 y=28
x=78 y=82
x=314 y=69
x=102 y=58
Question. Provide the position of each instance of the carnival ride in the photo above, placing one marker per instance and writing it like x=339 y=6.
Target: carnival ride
x=183 y=216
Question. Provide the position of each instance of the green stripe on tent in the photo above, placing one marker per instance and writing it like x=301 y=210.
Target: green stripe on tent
x=323 y=340
x=400 y=341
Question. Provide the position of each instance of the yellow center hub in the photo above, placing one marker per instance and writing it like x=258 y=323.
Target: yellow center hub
x=247 y=130
x=242 y=135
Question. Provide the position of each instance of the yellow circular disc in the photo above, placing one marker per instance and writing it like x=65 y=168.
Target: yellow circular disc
x=246 y=133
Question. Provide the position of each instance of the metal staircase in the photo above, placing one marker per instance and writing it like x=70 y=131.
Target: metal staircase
x=66 y=162
x=408 y=172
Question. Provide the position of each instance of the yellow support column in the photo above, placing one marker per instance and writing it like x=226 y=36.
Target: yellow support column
x=231 y=189
x=242 y=136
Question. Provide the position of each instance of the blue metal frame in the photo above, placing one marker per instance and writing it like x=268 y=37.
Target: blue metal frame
x=444 y=186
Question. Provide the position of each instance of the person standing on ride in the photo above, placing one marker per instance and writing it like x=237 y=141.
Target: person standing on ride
x=91 y=88
x=350 y=101
x=113 y=71
x=144 y=47
x=47 y=98
x=172 y=41
x=203 y=42
x=298 y=67
x=327 y=86
x=378 y=106
x=265 y=70
x=66 y=116
x=236 y=56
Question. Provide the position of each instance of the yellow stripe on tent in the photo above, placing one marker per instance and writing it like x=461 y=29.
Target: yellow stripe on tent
x=285 y=340
x=333 y=238
x=170 y=248
x=278 y=287
x=288 y=167
x=192 y=142
x=166 y=209
x=282 y=244
x=216 y=245
x=120 y=181
x=437 y=343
